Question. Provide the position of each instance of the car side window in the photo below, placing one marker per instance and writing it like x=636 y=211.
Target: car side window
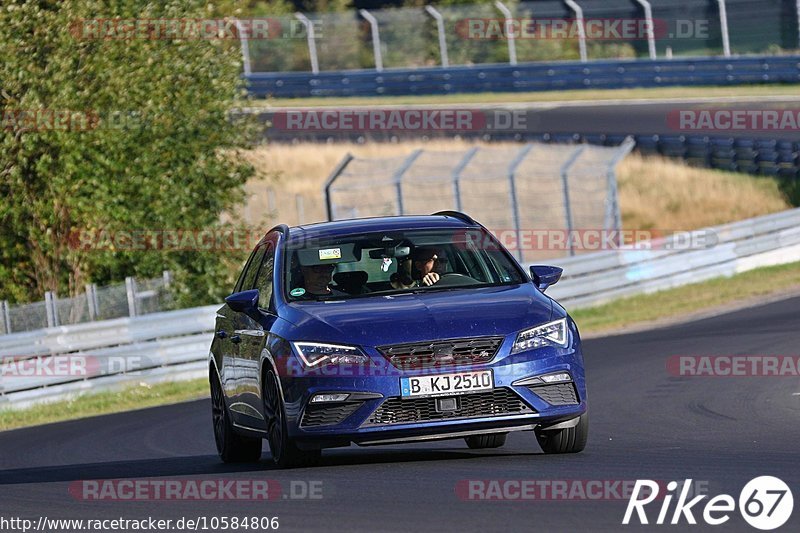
x=264 y=279
x=249 y=277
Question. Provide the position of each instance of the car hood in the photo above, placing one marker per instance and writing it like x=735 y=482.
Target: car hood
x=412 y=317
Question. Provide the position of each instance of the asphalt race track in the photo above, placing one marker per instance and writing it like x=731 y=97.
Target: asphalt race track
x=644 y=424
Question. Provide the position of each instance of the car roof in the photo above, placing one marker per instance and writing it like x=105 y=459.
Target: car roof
x=376 y=224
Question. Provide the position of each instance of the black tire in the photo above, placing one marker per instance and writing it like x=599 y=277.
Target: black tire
x=285 y=454
x=493 y=440
x=568 y=440
x=231 y=447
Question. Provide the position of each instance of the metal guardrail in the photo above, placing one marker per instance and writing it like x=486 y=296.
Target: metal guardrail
x=597 y=278
x=524 y=77
x=174 y=345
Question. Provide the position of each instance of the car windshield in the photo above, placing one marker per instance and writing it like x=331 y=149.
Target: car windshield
x=384 y=263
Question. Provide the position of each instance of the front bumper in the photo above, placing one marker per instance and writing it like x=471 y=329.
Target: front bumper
x=513 y=406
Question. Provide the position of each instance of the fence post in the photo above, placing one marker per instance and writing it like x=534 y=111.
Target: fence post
x=312 y=42
x=243 y=41
x=581 y=30
x=301 y=213
x=376 y=38
x=648 y=17
x=6 y=316
x=51 y=311
x=91 y=301
x=457 y=174
x=512 y=184
x=398 y=178
x=613 y=219
x=331 y=179
x=167 y=277
x=442 y=36
x=723 y=25
x=510 y=37
x=130 y=288
x=565 y=188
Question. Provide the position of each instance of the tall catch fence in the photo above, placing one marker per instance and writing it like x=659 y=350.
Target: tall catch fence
x=516 y=192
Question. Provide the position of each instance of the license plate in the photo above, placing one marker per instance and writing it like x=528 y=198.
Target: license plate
x=447 y=384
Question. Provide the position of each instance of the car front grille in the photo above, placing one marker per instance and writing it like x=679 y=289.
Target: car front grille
x=557 y=393
x=438 y=354
x=498 y=402
x=328 y=414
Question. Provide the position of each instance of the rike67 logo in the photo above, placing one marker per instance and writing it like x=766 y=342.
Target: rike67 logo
x=765 y=503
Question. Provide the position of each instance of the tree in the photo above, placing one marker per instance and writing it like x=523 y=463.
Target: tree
x=111 y=134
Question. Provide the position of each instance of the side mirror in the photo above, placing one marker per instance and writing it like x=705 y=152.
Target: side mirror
x=243 y=302
x=543 y=276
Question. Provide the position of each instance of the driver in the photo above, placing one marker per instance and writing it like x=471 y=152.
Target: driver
x=423 y=263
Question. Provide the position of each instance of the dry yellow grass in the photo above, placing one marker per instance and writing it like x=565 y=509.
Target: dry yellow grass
x=654 y=193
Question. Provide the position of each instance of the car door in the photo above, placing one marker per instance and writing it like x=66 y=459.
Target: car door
x=225 y=346
x=253 y=331
x=233 y=370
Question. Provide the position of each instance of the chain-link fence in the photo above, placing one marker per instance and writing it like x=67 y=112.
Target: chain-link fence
x=132 y=298
x=516 y=192
x=507 y=31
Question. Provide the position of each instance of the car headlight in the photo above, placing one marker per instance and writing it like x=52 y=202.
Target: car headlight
x=550 y=334
x=314 y=354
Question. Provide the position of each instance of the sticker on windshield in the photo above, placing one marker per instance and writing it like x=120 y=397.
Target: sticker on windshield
x=297 y=292
x=330 y=253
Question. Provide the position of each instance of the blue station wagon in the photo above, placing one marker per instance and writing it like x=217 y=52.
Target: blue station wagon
x=392 y=330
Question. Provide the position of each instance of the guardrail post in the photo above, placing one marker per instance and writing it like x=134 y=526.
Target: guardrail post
x=130 y=289
x=51 y=311
x=331 y=179
x=312 y=41
x=91 y=301
x=457 y=174
x=565 y=188
x=723 y=24
x=648 y=18
x=6 y=316
x=512 y=186
x=510 y=37
x=243 y=41
x=398 y=178
x=376 y=38
x=581 y=29
x=442 y=36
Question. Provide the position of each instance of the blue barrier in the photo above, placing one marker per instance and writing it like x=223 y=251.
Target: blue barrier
x=540 y=76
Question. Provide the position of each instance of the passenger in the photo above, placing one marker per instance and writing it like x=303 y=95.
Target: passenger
x=317 y=279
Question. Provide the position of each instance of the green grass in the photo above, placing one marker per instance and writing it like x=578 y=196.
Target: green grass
x=539 y=96
x=135 y=397
x=635 y=310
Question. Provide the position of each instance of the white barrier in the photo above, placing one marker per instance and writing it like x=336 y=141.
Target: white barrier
x=174 y=345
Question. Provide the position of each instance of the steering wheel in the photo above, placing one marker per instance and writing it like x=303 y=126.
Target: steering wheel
x=454 y=278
